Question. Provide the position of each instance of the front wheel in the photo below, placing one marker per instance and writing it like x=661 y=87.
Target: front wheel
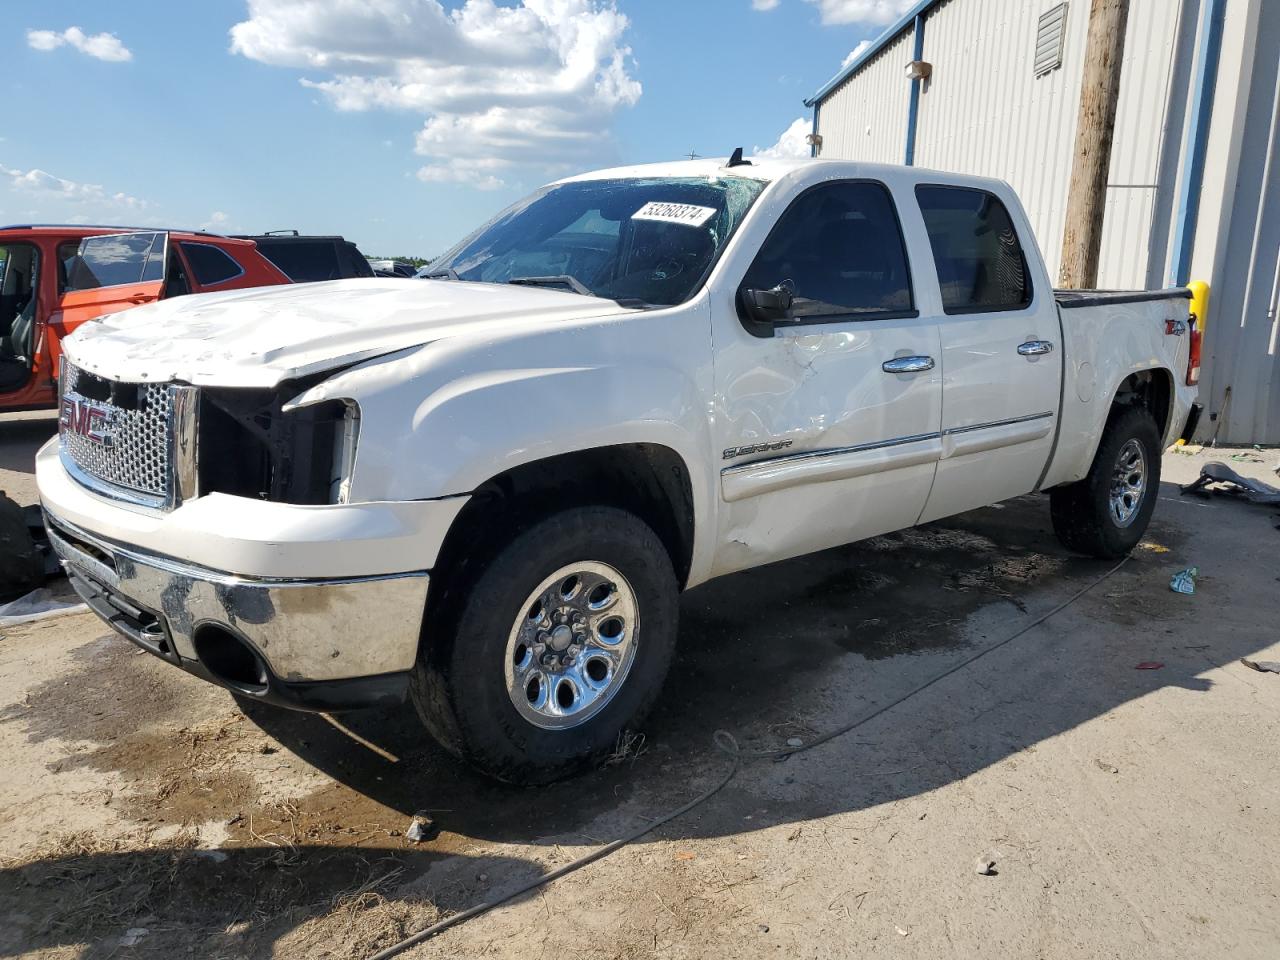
x=1107 y=512
x=555 y=649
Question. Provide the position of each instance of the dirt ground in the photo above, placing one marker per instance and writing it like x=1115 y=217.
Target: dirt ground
x=1129 y=812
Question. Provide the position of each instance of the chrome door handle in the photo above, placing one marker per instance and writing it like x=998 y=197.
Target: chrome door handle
x=1035 y=348
x=907 y=365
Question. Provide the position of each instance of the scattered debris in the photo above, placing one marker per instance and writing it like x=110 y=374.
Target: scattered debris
x=901 y=932
x=686 y=855
x=985 y=867
x=420 y=829
x=217 y=856
x=630 y=746
x=1217 y=472
x=37 y=605
x=794 y=742
x=1106 y=767
x=1184 y=581
x=1262 y=666
x=133 y=935
x=1150 y=665
x=763 y=928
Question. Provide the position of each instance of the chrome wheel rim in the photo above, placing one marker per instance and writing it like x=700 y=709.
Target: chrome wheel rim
x=572 y=645
x=1128 y=483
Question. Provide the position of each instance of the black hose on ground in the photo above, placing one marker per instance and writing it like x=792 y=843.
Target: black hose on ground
x=725 y=743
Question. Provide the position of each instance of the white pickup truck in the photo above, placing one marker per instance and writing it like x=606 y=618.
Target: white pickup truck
x=487 y=487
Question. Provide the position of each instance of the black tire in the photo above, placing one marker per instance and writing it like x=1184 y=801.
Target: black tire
x=1081 y=511
x=459 y=687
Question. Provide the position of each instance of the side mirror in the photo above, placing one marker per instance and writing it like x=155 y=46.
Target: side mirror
x=767 y=306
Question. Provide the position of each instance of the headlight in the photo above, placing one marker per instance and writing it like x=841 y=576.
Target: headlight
x=252 y=443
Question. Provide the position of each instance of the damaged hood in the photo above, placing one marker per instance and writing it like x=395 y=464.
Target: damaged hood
x=259 y=337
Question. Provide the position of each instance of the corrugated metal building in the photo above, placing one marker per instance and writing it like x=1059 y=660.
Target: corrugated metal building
x=1194 y=187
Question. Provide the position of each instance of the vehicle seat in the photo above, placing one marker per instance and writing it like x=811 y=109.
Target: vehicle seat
x=22 y=329
x=15 y=362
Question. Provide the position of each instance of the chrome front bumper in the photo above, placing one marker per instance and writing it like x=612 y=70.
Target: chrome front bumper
x=319 y=643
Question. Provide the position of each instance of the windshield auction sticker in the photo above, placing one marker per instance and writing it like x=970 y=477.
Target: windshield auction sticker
x=686 y=213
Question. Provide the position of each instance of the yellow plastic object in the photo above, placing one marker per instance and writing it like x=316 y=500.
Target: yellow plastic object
x=1199 y=302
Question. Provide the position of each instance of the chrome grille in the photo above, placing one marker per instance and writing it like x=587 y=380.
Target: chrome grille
x=136 y=455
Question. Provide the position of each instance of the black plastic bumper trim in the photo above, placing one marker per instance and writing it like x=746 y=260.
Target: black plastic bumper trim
x=1193 y=421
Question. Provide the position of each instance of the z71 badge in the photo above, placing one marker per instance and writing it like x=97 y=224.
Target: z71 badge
x=751 y=448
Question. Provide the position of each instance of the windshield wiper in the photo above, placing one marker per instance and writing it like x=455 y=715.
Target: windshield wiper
x=559 y=280
x=448 y=273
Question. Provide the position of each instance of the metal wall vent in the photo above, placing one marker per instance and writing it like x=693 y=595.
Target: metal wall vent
x=1051 y=32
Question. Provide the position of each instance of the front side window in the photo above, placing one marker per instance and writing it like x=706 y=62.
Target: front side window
x=116 y=260
x=210 y=264
x=651 y=240
x=839 y=250
x=981 y=267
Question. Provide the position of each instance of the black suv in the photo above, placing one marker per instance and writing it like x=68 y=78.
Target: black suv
x=304 y=259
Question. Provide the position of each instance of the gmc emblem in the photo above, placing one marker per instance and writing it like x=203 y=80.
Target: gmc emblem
x=84 y=419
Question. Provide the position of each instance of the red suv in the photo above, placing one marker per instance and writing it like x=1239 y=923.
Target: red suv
x=54 y=278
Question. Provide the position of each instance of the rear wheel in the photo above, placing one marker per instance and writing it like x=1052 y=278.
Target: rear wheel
x=559 y=645
x=1107 y=512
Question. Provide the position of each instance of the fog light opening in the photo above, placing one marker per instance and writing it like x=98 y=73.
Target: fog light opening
x=231 y=659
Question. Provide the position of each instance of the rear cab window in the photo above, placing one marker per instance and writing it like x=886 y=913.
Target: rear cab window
x=979 y=258
x=117 y=260
x=210 y=265
x=839 y=249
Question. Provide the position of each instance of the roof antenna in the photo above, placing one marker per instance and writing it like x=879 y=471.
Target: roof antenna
x=736 y=160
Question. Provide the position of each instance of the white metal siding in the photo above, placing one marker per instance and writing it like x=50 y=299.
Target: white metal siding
x=866 y=117
x=985 y=112
x=1129 y=258
x=1243 y=337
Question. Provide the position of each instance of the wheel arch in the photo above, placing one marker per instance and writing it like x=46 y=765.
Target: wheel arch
x=651 y=480
x=1151 y=388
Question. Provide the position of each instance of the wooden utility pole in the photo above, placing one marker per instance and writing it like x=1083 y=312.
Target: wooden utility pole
x=1091 y=161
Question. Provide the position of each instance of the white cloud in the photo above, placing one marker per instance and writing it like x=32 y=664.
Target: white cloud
x=836 y=12
x=218 y=222
x=535 y=84
x=791 y=144
x=765 y=4
x=39 y=182
x=101 y=46
x=855 y=53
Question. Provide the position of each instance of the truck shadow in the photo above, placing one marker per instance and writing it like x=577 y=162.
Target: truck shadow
x=788 y=650
x=774 y=653
x=22 y=437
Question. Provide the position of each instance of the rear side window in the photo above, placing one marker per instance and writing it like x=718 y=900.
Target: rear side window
x=117 y=259
x=981 y=267
x=839 y=248
x=303 y=261
x=210 y=264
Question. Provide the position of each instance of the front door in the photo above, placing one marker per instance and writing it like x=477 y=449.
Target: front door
x=828 y=420
x=1001 y=355
x=108 y=274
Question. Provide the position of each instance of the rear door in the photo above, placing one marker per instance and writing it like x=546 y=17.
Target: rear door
x=111 y=273
x=1001 y=355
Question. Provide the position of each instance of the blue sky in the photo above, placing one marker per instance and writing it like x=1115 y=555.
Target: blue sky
x=401 y=124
